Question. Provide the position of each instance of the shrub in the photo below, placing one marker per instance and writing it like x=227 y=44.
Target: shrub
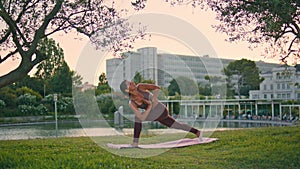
x=41 y=110
x=8 y=96
x=27 y=99
x=25 y=110
x=64 y=104
x=26 y=90
x=28 y=110
x=2 y=104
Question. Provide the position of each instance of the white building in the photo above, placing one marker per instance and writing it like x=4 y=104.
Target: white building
x=162 y=67
x=282 y=83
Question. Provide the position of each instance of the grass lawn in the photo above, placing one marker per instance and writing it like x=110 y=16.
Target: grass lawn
x=272 y=147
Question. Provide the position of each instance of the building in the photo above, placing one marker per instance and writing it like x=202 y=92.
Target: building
x=163 y=67
x=282 y=83
x=87 y=86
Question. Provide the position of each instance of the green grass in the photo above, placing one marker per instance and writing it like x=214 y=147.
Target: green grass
x=274 y=147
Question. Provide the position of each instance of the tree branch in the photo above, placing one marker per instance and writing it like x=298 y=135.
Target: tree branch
x=41 y=31
x=4 y=38
x=13 y=28
x=8 y=55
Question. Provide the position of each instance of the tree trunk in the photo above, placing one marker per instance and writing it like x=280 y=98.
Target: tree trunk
x=20 y=72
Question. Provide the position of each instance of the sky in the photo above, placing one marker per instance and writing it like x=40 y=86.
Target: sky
x=173 y=34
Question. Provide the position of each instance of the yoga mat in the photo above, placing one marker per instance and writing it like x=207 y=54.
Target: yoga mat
x=170 y=144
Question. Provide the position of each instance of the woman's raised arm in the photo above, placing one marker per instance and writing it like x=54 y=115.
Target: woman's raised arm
x=145 y=86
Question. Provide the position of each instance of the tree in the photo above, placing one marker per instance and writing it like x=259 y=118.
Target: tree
x=183 y=86
x=102 y=79
x=137 y=78
x=173 y=88
x=273 y=23
x=103 y=86
x=77 y=80
x=29 y=23
x=33 y=83
x=55 y=59
x=61 y=81
x=216 y=86
x=243 y=75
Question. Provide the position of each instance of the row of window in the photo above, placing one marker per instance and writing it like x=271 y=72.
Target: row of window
x=279 y=96
x=280 y=86
x=285 y=96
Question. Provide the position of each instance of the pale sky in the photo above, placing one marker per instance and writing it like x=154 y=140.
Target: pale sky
x=197 y=19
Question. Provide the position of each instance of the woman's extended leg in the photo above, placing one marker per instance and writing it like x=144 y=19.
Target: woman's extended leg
x=171 y=122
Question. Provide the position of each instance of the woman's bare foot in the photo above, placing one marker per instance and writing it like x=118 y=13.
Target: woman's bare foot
x=199 y=135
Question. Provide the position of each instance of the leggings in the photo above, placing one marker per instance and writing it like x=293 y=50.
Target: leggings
x=164 y=119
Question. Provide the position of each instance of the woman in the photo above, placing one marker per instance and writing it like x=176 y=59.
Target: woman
x=141 y=98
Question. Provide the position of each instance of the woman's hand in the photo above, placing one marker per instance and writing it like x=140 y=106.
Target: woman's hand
x=138 y=113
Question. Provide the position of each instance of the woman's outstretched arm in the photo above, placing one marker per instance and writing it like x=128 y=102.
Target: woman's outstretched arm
x=145 y=86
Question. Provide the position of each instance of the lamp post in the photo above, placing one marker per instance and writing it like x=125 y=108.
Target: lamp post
x=55 y=110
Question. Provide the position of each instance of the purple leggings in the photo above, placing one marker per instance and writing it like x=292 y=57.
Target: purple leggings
x=164 y=119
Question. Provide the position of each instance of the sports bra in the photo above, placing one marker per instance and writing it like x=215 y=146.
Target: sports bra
x=147 y=96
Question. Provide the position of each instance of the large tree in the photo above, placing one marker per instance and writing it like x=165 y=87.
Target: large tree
x=271 y=23
x=28 y=23
x=243 y=75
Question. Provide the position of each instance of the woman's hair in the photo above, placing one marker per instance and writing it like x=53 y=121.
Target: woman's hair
x=123 y=87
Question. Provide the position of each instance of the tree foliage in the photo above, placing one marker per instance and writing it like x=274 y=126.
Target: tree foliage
x=103 y=87
x=183 y=86
x=243 y=75
x=33 y=83
x=61 y=81
x=55 y=59
x=271 y=23
x=138 y=78
x=29 y=23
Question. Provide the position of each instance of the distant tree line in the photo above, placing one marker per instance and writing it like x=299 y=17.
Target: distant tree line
x=34 y=95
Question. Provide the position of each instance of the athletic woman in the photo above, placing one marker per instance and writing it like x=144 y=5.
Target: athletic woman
x=141 y=98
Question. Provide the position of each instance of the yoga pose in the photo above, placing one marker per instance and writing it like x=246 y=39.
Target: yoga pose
x=141 y=98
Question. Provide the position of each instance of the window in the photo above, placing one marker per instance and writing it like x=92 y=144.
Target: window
x=288 y=96
x=265 y=96
x=272 y=96
x=283 y=86
x=265 y=87
x=288 y=86
x=278 y=86
x=271 y=86
x=279 y=96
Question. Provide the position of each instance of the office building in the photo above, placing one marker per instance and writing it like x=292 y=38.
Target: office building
x=163 y=67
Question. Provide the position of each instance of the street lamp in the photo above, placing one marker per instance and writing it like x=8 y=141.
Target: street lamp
x=55 y=110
